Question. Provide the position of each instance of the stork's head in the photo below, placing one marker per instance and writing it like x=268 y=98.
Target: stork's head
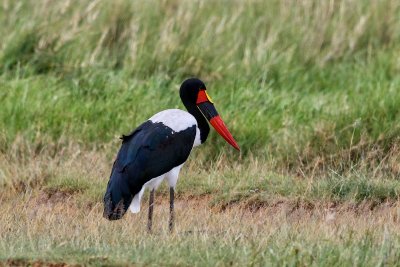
x=193 y=93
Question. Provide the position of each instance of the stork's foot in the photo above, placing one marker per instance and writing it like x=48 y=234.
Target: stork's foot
x=171 y=209
x=151 y=206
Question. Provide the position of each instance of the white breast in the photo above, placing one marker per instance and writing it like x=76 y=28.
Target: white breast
x=197 y=140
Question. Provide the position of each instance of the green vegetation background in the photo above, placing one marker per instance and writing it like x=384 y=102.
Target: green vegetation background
x=291 y=78
x=309 y=89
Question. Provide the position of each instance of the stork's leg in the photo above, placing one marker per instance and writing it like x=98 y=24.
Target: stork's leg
x=171 y=208
x=151 y=205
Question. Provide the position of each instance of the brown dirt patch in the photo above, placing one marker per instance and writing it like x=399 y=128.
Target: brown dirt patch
x=297 y=210
x=34 y=263
x=52 y=196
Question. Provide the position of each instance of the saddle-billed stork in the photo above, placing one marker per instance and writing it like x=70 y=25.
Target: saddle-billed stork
x=157 y=149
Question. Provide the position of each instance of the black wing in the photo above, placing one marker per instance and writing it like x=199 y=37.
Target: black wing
x=149 y=151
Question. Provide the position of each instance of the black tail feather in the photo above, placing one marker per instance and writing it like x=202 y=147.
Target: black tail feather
x=117 y=197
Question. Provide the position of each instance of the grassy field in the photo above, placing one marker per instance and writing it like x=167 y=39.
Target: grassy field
x=309 y=89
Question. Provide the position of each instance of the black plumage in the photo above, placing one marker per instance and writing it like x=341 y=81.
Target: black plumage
x=149 y=151
x=157 y=149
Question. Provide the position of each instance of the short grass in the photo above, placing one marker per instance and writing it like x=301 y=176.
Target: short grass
x=66 y=233
x=310 y=89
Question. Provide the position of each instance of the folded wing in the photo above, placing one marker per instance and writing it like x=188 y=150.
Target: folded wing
x=149 y=151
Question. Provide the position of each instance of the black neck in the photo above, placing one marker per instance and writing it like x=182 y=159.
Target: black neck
x=201 y=121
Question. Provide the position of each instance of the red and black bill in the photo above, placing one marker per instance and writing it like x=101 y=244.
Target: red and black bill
x=206 y=106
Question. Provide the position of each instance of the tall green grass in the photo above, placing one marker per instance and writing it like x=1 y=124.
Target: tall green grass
x=304 y=81
x=310 y=89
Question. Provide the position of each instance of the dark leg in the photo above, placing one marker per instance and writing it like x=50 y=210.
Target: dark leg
x=171 y=209
x=151 y=205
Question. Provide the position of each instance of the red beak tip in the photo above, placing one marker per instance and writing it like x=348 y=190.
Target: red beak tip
x=220 y=127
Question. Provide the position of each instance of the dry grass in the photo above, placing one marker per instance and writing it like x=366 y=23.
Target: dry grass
x=309 y=89
x=45 y=164
x=76 y=169
x=64 y=231
x=52 y=206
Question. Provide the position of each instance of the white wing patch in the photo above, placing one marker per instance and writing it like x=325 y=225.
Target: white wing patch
x=175 y=119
